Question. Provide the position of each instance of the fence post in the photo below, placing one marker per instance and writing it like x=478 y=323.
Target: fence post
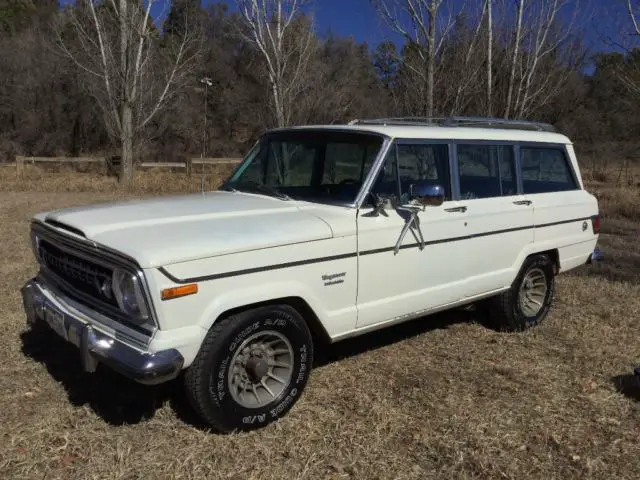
x=188 y=164
x=19 y=165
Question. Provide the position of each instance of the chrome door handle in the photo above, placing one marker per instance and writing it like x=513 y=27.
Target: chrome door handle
x=456 y=209
x=522 y=202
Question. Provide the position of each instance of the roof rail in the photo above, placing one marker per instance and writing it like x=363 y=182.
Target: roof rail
x=484 y=122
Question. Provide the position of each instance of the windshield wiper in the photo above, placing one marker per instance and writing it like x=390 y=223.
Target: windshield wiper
x=260 y=188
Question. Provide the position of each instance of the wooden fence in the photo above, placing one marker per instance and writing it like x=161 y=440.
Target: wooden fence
x=112 y=163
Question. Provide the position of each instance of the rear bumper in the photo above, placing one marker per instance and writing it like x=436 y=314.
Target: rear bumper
x=596 y=256
x=95 y=346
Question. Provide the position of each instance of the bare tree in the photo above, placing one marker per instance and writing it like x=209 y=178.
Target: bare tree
x=463 y=74
x=131 y=73
x=544 y=53
x=634 y=12
x=629 y=73
x=285 y=46
x=514 y=57
x=417 y=21
x=489 y=58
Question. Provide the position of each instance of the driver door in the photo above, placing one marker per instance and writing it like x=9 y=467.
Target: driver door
x=413 y=280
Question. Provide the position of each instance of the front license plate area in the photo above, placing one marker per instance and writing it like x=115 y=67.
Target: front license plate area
x=55 y=320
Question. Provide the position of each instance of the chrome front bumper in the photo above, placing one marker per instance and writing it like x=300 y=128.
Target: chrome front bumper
x=95 y=346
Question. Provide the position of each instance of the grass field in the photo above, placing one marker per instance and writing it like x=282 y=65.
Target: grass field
x=440 y=397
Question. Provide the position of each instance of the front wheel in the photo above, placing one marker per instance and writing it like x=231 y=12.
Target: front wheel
x=529 y=299
x=251 y=368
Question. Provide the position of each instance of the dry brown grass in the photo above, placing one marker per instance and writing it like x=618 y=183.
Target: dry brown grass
x=61 y=178
x=441 y=397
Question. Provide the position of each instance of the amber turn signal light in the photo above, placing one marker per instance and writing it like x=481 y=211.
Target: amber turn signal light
x=182 y=291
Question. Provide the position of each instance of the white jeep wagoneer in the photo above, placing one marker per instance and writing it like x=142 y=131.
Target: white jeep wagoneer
x=320 y=233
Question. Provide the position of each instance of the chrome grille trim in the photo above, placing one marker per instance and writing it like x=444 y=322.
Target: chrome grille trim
x=105 y=257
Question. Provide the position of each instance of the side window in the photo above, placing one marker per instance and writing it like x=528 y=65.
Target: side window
x=415 y=163
x=486 y=171
x=424 y=164
x=545 y=170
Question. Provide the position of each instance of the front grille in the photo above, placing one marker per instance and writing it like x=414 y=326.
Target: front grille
x=82 y=275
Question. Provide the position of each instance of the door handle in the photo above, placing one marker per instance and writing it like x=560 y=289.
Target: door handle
x=456 y=209
x=522 y=202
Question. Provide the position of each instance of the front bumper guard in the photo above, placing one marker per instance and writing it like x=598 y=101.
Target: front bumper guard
x=96 y=346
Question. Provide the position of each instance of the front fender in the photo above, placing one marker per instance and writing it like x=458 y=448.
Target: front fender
x=242 y=297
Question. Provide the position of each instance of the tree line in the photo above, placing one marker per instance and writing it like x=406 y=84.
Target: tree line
x=105 y=77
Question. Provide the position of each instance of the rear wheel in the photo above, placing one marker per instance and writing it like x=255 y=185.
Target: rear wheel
x=529 y=299
x=251 y=368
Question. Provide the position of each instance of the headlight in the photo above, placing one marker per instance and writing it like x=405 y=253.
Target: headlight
x=129 y=295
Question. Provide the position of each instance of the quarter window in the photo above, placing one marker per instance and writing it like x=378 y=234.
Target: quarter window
x=545 y=170
x=486 y=171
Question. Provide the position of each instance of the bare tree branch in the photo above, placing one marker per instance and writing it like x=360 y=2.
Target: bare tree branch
x=269 y=26
x=115 y=45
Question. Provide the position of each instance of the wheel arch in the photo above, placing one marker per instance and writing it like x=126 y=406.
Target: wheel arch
x=553 y=254
x=317 y=329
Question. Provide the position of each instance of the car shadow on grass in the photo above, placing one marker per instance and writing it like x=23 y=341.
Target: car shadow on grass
x=628 y=385
x=120 y=401
x=114 y=398
x=329 y=353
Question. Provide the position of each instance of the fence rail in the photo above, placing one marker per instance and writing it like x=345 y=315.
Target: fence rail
x=114 y=162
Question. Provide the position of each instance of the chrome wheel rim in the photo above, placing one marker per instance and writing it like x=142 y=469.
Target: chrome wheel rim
x=261 y=369
x=533 y=292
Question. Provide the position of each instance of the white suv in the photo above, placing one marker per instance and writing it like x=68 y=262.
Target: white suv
x=321 y=233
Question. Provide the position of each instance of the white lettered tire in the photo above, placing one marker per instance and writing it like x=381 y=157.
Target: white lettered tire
x=528 y=301
x=251 y=368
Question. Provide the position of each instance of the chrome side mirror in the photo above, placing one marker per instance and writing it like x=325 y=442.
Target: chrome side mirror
x=427 y=194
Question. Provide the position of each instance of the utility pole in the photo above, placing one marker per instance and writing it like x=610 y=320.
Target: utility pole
x=207 y=83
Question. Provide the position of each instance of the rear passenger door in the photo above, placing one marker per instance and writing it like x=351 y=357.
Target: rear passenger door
x=559 y=204
x=500 y=219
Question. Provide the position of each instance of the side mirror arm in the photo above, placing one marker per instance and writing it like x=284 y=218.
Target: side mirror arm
x=413 y=224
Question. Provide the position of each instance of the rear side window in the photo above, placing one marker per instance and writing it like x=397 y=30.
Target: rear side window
x=545 y=170
x=486 y=171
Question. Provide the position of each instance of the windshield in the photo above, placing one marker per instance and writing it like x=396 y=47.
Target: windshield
x=318 y=166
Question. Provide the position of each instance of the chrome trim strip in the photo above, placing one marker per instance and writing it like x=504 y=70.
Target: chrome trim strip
x=414 y=315
x=98 y=347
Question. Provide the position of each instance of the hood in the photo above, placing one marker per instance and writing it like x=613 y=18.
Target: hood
x=167 y=230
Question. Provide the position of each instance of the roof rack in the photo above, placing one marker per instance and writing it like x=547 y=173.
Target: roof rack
x=484 y=122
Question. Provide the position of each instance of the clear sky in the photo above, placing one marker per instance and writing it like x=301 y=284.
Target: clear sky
x=344 y=18
x=358 y=18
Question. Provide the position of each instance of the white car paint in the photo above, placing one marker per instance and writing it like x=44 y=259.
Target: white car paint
x=175 y=229
x=243 y=249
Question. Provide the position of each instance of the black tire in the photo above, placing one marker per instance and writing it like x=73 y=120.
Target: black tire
x=207 y=378
x=505 y=310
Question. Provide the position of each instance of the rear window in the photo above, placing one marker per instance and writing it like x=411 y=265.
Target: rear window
x=545 y=170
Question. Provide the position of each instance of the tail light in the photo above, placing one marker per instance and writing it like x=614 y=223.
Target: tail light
x=595 y=224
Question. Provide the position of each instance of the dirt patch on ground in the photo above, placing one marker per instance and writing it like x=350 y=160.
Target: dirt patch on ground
x=440 y=397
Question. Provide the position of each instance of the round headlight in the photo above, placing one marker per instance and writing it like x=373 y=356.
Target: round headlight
x=129 y=295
